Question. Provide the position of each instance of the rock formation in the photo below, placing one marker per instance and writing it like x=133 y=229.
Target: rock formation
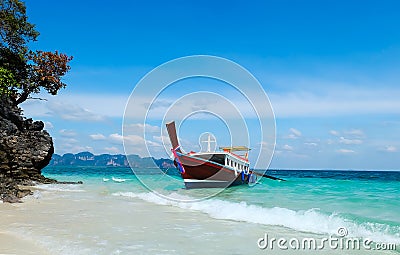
x=25 y=149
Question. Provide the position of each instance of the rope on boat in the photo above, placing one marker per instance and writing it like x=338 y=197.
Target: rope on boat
x=180 y=166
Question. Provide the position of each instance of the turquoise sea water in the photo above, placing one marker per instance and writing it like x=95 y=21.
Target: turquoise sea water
x=366 y=203
x=112 y=212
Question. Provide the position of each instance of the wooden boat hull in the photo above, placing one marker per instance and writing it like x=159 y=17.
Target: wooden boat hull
x=200 y=173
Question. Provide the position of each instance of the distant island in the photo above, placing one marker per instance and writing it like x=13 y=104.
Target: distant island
x=89 y=159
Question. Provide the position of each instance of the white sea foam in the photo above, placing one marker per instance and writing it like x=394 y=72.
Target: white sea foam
x=311 y=220
x=118 y=179
x=60 y=187
x=37 y=194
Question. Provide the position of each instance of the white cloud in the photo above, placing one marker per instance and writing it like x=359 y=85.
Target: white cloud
x=131 y=140
x=349 y=141
x=72 y=112
x=134 y=144
x=204 y=104
x=97 y=137
x=287 y=147
x=140 y=128
x=69 y=140
x=67 y=133
x=330 y=141
x=355 y=132
x=345 y=151
x=112 y=150
x=116 y=138
x=305 y=103
x=48 y=125
x=334 y=102
x=77 y=107
x=294 y=133
x=334 y=132
x=71 y=148
x=162 y=139
x=311 y=144
x=390 y=148
x=314 y=98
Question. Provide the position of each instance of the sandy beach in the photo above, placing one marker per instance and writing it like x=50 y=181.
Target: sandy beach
x=63 y=226
x=54 y=222
x=10 y=243
x=84 y=219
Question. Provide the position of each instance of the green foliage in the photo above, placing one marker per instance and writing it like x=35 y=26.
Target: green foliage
x=24 y=71
x=7 y=82
x=16 y=31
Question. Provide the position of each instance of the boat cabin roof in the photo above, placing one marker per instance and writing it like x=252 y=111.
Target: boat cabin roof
x=223 y=154
x=235 y=148
x=219 y=157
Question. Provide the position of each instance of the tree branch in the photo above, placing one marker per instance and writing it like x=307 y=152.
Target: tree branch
x=22 y=98
x=37 y=98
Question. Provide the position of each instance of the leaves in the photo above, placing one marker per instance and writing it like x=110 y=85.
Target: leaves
x=16 y=31
x=7 y=82
x=48 y=69
x=30 y=70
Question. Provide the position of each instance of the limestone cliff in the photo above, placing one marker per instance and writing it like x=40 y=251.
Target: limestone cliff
x=25 y=149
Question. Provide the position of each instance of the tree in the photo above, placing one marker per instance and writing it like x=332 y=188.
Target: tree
x=22 y=71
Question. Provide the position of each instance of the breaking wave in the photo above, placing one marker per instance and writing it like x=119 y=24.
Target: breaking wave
x=60 y=187
x=312 y=220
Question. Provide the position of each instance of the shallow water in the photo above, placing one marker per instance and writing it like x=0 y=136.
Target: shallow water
x=108 y=217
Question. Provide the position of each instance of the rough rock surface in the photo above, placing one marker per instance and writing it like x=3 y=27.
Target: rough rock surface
x=25 y=149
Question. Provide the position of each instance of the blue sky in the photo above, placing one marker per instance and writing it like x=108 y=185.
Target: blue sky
x=330 y=69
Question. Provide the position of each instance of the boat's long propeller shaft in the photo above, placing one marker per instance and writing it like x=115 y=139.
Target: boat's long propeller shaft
x=269 y=176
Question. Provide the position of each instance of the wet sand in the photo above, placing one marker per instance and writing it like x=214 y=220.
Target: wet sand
x=96 y=222
x=11 y=243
